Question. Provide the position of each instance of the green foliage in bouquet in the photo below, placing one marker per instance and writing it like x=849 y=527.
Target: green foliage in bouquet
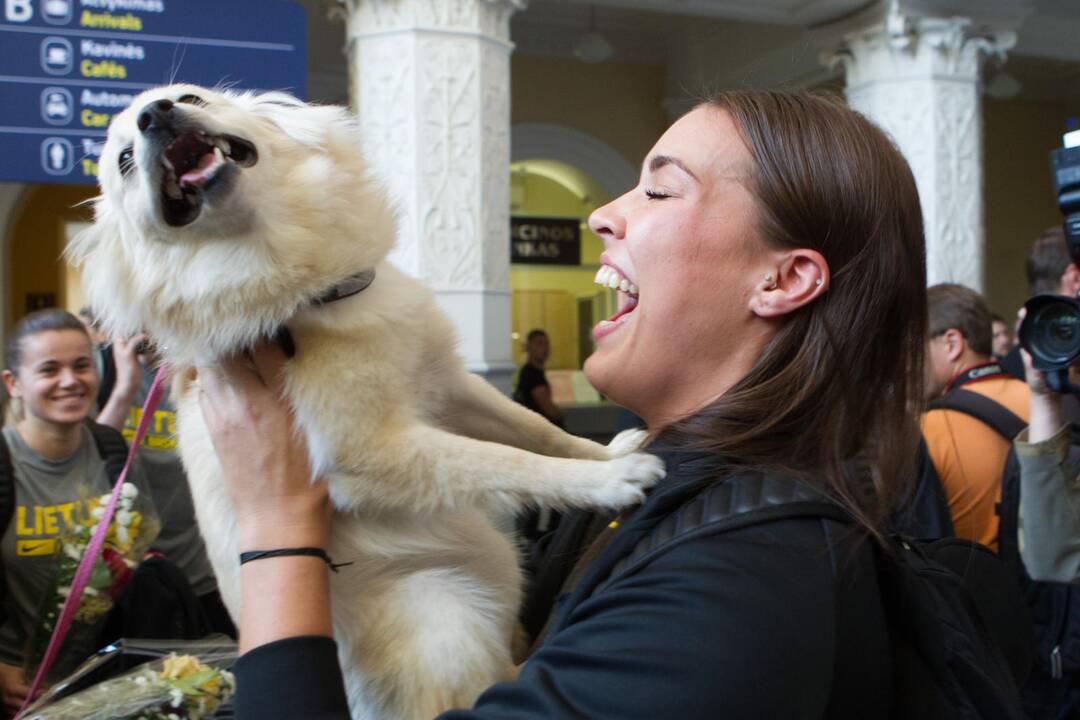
x=130 y=533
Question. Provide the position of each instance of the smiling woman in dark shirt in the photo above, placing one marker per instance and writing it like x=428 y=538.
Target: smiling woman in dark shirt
x=770 y=330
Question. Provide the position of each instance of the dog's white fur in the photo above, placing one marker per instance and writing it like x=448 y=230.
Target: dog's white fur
x=418 y=452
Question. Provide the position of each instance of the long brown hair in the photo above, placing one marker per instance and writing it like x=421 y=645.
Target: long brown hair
x=839 y=384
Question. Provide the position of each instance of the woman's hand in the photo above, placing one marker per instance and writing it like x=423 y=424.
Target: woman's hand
x=277 y=505
x=13 y=687
x=1045 y=414
x=128 y=377
x=264 y=457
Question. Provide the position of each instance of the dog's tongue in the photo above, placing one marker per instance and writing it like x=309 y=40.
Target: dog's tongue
x=197 y=178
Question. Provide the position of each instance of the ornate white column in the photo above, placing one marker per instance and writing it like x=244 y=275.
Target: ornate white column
x=918 y=77
x=430 y=80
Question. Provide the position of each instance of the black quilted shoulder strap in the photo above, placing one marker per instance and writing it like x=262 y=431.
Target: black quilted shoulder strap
x=112 y=447
x=1002 y=420
x=736 y=502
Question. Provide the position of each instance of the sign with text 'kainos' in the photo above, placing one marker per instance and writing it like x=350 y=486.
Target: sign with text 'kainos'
x=68 y=66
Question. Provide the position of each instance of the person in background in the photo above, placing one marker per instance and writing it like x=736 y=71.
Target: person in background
x=1049 y=485
x=50 y=377
x=967 y=454
x=532 y=389
x=179 y=540
x=1000 y=337
x=1050 y=271
x=776 y=242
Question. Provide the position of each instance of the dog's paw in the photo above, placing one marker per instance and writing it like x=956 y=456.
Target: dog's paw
x=626 y=479
x=626 y=442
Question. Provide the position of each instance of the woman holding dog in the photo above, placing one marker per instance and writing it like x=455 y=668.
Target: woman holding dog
x=776 y=335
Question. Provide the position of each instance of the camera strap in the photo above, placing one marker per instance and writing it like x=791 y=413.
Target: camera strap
x=984 y=371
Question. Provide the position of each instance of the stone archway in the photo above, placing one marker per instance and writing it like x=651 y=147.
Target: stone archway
x=594 y=157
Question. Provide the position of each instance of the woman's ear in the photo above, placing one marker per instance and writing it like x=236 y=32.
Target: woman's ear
x=10 y=384
x=795 y=279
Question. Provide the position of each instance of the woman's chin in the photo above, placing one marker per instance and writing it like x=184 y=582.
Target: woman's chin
x=598 y=371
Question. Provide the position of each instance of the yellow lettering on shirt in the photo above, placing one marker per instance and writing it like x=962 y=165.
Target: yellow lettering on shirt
x=48 y=514
x=67 y=511
x=47 y=517
x=20 y=522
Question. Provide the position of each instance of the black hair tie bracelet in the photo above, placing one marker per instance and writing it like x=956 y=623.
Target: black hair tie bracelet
x=246 y=557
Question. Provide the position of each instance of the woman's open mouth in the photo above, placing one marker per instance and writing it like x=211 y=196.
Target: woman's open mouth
x=195 y=163
x=627 y=294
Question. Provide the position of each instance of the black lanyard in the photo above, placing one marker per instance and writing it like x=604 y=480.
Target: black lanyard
x=985 y=371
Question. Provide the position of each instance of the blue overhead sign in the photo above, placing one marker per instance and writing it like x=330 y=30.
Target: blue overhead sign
x=68 y=66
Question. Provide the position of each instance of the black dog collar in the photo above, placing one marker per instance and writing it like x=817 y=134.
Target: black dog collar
x=347 y=287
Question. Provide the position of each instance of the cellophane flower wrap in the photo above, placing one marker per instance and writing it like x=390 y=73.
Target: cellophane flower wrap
x=178 y=687
x=133 y=527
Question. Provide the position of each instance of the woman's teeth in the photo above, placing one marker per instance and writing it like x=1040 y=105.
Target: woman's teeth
x=610 y=277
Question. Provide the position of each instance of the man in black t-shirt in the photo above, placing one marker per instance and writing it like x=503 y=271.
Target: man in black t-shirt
x=532 y=389
x=533 y=392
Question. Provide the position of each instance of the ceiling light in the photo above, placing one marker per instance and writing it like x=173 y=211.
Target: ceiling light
x=593 y=47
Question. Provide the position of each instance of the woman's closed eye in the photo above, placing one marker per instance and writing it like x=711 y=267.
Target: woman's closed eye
x=656 y=194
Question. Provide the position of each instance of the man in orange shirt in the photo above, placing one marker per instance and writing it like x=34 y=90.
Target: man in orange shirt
x=968 y=455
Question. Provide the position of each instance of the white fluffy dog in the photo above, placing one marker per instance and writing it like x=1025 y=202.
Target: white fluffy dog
x=224 y=217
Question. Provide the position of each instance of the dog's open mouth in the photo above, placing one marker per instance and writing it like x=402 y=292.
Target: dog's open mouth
x=196 y=164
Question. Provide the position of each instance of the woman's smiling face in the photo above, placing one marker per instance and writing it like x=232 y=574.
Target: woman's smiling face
x=56 y=380
x=686 y=243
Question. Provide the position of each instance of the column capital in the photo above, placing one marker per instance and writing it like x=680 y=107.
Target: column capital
x=900 y=38
x=490 y=18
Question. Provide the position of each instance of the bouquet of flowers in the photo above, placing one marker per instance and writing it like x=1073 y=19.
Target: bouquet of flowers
x=133 y=527
x=178 y=687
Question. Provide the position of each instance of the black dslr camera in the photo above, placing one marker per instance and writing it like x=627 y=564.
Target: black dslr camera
x=1050 y=331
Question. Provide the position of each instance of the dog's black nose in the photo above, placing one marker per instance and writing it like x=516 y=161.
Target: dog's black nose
x=155 y=116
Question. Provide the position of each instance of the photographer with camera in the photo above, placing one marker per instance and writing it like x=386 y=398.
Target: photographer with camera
x=1046 y=451
x=1049 y=487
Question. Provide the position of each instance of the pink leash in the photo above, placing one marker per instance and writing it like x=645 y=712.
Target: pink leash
x=86 y=564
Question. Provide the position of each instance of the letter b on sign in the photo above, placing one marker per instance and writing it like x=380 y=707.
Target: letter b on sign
x=18 y=10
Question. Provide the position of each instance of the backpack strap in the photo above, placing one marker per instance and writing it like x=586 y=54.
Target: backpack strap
x=7 y=485
x=998 y=417
x=738 y=502
x=111 y=446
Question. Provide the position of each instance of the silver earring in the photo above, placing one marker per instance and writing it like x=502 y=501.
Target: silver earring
x=819 y=281
x=770 y=282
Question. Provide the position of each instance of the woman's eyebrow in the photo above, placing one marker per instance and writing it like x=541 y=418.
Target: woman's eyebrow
x=659 y=161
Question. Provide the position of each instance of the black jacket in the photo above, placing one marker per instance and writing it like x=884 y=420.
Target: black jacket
x=781 y=619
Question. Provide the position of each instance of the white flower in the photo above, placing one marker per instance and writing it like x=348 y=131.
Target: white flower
x=176 y=697
x=104 y=499
x=124 y=518
x=97 y=512
x=63 y=590
x=128 y=490
x=89 y=591
x=72 y=552
x=122 y=534
x=140 y=680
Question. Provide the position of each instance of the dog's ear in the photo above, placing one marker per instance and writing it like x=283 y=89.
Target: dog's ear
x=307 y=124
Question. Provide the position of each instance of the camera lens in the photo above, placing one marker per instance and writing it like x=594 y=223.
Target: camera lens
x=1056 y=333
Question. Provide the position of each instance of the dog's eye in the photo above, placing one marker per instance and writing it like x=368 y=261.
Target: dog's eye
x=191 y=100
x=127 y=160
